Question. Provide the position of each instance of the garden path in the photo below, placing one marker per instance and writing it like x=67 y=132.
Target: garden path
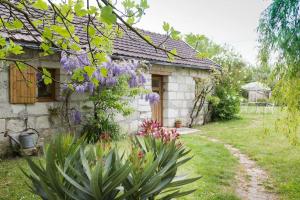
x=250 y=178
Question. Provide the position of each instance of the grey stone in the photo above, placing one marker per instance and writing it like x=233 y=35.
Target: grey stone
x=145 y=115
x=17 y=108
x=144 y=108
x=184 y=112
x=6 y=111
x=31 y=122
x=5 y=148
x=2 y=125
x=15 y=125
x=169 y=122
x=171 y=113
x=170 y=95
x=133 y=126
x=42 y=122
x=40 y=108
x=173 y=87
x=180 y=96
x=143 y=102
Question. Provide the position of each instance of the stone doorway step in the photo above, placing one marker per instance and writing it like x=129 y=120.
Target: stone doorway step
x=185 y=130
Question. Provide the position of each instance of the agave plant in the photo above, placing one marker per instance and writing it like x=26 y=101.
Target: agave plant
x=160 y=153
x=73 y=169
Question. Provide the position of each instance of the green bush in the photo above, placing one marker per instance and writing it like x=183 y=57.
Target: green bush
x=228 y=106
x=95 y=128
x=75 y=170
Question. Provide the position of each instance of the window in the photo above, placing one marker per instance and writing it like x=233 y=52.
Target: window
x=27 y=87
x=22 y=85
x=45 y=92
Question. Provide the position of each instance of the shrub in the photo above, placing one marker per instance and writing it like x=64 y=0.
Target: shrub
x=228 y=105
x=94 y=128
x=73 y=169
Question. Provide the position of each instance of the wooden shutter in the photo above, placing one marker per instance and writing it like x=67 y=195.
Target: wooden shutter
x=22 y=85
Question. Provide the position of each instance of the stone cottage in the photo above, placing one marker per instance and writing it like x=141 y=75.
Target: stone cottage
x=174 y=81
x=257 y=91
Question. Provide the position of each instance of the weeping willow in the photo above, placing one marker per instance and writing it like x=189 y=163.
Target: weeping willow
x=279 y=30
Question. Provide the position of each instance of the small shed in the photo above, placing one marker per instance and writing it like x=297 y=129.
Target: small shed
x=257 y=91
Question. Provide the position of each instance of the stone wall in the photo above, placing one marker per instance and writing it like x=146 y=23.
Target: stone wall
x=178 y=93
x=142 y=111
x=178 y=88
x=12 y=115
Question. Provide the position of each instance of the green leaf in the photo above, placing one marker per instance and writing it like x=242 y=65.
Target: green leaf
x=37 y=22
x=171 y=54
x=103 y=71
x=2 y=53
x=101 y=57
x=144 y=4
x=89 y=70
x=78 y=8
x=61 y=30
x=40 y=4
x=21 y=66
x=131 y=20
x=148 y=38
x=175 y=35
x=166 y=26
x=47 y=33
x=2 y=41
x=46 y=76
x=92 y=31
x=108 y=16
x=17 y=24
x=15 y=48
x=128 y=4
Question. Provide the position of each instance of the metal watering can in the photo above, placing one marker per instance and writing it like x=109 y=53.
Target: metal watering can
x=25 y=139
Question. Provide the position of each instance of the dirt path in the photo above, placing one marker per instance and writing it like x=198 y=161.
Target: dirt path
x=250 y=177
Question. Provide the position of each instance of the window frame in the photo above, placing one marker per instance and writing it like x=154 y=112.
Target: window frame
x=53 y=90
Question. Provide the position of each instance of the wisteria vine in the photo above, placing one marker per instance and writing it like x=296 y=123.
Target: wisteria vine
x=86 y=78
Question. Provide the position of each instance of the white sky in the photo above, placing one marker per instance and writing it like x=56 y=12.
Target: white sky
x=233 y=22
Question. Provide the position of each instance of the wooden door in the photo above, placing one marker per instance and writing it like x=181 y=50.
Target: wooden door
x=157 y=86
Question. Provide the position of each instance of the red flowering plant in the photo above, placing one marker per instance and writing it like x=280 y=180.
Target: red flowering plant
x=73 y=169
x=156 y=155
x=154 y=129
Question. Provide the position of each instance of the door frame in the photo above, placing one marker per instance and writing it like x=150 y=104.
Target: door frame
x=161 y=89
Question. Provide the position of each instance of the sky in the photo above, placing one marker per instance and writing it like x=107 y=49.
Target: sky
x=232 y=22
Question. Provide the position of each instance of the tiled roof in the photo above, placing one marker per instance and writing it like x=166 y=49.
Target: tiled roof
x=132 y=46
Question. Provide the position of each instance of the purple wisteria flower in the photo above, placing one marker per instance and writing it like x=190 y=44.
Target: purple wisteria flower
x=153 y=98
x=107 y=74
x=80 y=88
x=74 y=61
x=76 y=115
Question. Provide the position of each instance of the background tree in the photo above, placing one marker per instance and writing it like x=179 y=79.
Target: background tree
x=82 y=33
x=279 y=30
x=234 y=73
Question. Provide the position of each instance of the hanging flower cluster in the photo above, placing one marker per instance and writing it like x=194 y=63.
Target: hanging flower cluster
x=153 y=98
x=154 y=128
x=76 y=116
x=89 y=78
x=85 y=77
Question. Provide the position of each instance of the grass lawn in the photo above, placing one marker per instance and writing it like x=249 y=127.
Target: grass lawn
x=253 y=134
x=212 y=161
x=256 y=136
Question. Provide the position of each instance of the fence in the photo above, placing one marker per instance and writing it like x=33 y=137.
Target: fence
x=258 y=107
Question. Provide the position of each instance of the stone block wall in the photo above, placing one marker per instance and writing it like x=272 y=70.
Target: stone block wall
x=142 y=111
x=12 y=115
x=178 y=88
x=178 y=93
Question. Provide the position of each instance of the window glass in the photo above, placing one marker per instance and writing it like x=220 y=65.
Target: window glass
x=45 y=92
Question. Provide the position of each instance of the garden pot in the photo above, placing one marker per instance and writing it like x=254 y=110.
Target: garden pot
x=178 y=124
